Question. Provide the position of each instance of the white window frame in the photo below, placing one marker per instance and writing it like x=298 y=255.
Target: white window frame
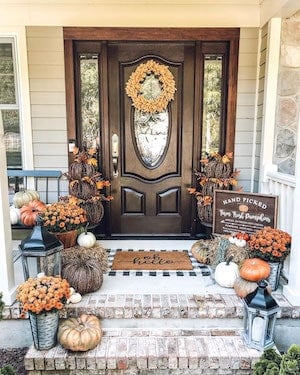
x=17 y=36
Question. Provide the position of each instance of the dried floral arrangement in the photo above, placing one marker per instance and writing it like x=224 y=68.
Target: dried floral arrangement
x=215 y=173
x=63 y=217
x=43 y=294
x=86 y=184
x=217 y=249
x=270 y=244
x=163 y=95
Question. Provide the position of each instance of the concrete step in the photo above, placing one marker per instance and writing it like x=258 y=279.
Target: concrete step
x=159 y=352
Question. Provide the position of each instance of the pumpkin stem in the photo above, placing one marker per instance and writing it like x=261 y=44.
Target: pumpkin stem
x=229 y=259
x=86 y=228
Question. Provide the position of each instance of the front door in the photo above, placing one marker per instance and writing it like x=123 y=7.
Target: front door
x=150 y=158
x=151 y=154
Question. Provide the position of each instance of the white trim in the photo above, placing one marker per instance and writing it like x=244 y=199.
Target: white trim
x=18 y=35
x=270 y=97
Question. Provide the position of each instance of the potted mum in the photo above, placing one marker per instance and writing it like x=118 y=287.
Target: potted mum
x=42 y=298
x=64 y=220
x=272 y=245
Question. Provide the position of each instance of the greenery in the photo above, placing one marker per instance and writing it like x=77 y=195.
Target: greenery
x=1 y=305
x=272 y=363
x=7 y=370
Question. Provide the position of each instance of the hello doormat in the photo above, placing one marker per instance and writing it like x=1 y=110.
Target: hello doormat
x=151 y=260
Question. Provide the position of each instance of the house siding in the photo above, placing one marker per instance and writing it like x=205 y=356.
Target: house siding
x=246 y=135
x=47 y=93
x=47 y=96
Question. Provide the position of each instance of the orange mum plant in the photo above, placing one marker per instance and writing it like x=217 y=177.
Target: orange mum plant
x=63 y=217
x=43 y=294
x=270 y=244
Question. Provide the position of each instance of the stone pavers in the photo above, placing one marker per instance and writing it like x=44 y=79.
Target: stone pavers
x=169 y=351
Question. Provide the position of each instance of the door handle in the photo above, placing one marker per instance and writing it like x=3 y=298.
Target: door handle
x=115 y=154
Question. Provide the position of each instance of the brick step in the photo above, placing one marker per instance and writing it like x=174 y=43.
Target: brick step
x=157 y=306
x=159 y=352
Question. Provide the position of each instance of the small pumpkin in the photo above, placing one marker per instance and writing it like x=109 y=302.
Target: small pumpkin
x=30 y=211
x=243 y=287
x=14 y=214
x=200 y=251
x=226 y=273
x=80 y=334
x=86 y=239
x=255 y=269
x=25 y=196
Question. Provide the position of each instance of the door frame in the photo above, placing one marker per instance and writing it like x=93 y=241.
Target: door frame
x=104 y=34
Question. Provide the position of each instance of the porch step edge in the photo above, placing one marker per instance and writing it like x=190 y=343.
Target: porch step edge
x=161 y=306
x=152 y=351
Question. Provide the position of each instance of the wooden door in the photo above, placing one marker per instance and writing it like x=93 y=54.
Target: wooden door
x=151 y=197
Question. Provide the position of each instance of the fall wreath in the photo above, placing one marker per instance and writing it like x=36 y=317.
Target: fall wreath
x=151 y=87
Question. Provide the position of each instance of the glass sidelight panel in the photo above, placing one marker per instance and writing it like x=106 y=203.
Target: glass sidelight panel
x=212 y=101
x=89 y=99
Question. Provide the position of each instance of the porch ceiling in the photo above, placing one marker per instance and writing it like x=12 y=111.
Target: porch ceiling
x=144 y=13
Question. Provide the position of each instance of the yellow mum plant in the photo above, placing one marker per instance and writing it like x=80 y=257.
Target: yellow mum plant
x=63 y=217
x=42 y=294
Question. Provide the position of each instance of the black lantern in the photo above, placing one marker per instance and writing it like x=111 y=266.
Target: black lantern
x=40 y=253
x=260 y=313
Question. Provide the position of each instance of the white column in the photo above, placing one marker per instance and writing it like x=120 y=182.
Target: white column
x=7 y=286
x=292 y=290
x=270 y=98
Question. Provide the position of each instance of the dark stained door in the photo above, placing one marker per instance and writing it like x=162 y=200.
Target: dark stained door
x=150 y=195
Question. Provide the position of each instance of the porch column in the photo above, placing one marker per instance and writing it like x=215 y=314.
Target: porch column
x=7 y=286
x=292 y=290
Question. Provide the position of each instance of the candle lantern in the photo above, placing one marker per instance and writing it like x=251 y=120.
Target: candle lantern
x=260 y=313
x=41 y=253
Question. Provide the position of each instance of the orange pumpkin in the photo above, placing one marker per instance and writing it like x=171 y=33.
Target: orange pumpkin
x=30 y=211
x=255 y=269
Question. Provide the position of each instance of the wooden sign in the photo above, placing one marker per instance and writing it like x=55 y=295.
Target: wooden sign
x=243 y=212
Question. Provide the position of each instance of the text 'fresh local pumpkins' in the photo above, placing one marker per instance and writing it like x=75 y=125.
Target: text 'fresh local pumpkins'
x=255 y=269
x=226 y=273
x=24 y=197
x=80 y=334
x=30 y=211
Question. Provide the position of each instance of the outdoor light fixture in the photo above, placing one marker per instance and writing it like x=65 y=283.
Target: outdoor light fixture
x=40 y=253
x=260 y=313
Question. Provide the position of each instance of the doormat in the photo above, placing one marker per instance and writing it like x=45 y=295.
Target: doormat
x=151 y=260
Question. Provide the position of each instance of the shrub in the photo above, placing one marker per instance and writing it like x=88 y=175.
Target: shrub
x=7 y=370
x=272 y=363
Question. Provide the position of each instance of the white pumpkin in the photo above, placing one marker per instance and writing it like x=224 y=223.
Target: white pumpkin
x=86 y=239
x=14 y=214
x=226 y=273
x=24 y=197
x=75 y=298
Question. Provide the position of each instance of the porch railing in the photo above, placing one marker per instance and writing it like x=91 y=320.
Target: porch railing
x=283 y=186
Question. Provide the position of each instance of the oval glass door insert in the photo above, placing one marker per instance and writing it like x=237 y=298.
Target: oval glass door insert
x=151 y=134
